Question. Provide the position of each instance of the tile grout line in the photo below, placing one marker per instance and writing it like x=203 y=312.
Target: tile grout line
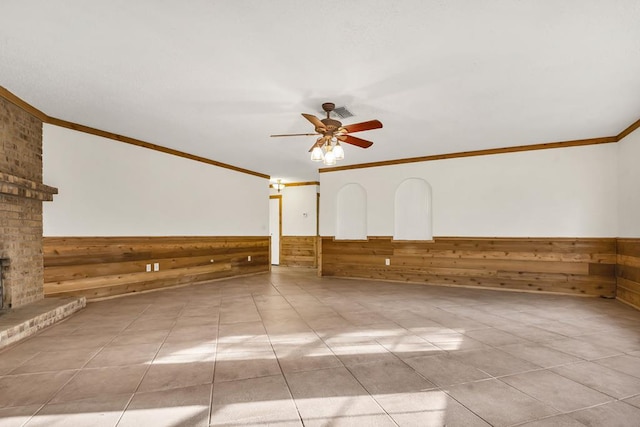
x=418 y=373
x=146 y=370
x=325 y=297
x=77 y=371
x=284 y=377
x=345 y=366
x=215 y=363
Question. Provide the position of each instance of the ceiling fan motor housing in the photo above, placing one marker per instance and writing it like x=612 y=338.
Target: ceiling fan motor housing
x=329 y=128
x=331 y=125
x=328 y=106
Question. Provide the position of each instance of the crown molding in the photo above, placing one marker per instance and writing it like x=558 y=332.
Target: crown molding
x=6 y=94
x=9 y=96
x=298 y=184
x=633 y=126
x=544 y=146
x=144 y=144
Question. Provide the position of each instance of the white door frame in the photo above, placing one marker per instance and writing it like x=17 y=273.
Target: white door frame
x=275 y=202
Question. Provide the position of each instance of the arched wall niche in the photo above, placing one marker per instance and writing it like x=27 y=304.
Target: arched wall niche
x=412 y=210
x=351 y=215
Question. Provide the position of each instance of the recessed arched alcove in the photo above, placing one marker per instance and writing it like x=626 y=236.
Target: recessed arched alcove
x=412 y=210
x=351 y=218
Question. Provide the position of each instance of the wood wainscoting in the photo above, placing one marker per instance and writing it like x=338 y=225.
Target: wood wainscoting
x=628 y=272
x=582 y=266
x=97 y=267
x=299 y=251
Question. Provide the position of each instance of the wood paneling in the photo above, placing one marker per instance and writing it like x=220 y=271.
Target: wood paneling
x=298 y=251
x=97 y=267
x=628 y=271
x=561 y=265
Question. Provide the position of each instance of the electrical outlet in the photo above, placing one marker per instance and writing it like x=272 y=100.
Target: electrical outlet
x=148 y=268
x=249 y=258
x=387 y=261
x=156 y=266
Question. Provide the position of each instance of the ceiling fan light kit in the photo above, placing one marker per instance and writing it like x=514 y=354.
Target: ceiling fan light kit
x=328 y=152
x=317 y=155
x=329 y=158
x=338 y=151
x=279 y=186
x=327 y=148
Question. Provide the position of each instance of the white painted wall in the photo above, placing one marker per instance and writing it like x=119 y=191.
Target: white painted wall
x=296 y=202
x=108 y=188
x=351 y=212
x=566 y=192
x=412 y=210
x=629 y=185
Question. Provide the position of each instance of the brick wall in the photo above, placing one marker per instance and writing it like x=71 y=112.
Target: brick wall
x=21 y=196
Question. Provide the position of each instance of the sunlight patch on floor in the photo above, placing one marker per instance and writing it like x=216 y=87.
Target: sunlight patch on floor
x=183 y=415
x=255 y=413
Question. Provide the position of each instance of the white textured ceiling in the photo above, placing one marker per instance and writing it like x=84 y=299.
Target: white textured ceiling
x=216 y=78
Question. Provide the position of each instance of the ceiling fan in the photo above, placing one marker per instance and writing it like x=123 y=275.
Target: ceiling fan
x=331 y=132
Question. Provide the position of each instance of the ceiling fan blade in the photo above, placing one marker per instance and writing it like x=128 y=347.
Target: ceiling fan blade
x=318 y=143
x=293 y=134
x=355 y=141
x=314 y=121
x=359 y=127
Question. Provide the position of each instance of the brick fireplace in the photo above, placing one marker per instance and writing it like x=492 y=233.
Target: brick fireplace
x=21 y=197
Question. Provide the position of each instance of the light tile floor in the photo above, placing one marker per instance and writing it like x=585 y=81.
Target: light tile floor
x=289 y=348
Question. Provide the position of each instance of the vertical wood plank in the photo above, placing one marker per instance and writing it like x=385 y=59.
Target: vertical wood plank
x=579 y=266
x=97 y=267
x=298 y=251
x=628 y=271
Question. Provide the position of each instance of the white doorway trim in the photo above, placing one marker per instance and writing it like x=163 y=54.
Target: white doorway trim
x=275 y=227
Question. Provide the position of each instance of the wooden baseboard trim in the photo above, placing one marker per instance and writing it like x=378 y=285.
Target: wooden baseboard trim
x=182 y=285
x=447 y=285
x=637 y=307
